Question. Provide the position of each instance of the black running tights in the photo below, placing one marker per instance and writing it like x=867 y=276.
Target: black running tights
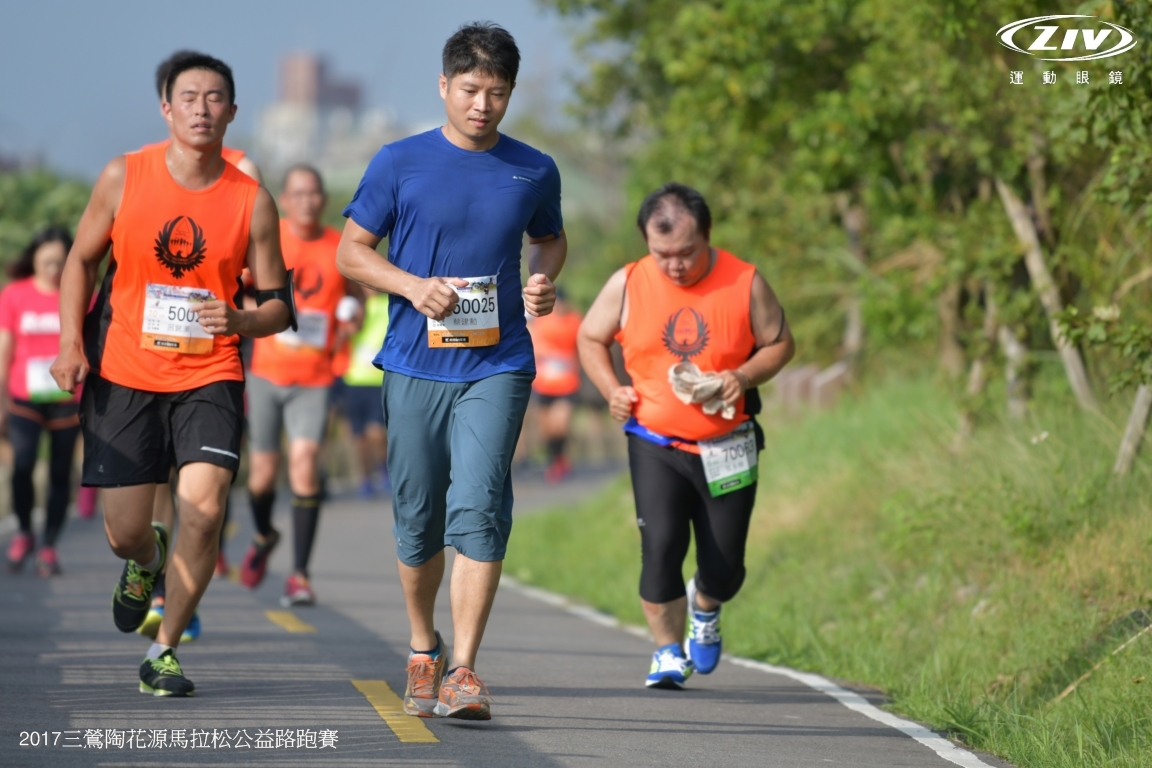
x=672 y=501
x=25 y=436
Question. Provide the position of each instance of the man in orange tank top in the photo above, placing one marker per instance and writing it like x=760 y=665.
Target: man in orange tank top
x=164 y=505
x=557 y=381
x=159 y=351
x=290 y=381
x=700 y=331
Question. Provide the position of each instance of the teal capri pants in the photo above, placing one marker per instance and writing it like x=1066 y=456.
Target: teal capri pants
x=450 y=447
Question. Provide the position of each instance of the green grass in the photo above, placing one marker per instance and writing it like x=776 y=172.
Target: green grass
x=970 y=582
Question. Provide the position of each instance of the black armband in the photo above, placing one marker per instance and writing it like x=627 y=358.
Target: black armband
x=287 y=294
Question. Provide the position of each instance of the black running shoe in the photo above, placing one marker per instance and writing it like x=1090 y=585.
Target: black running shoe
x=133 y=595
x=163 y=677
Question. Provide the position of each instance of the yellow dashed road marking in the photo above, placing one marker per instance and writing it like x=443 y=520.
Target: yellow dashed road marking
x=289 y=621
x=391 y=709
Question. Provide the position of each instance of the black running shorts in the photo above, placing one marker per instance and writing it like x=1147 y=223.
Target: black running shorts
x=132 y=437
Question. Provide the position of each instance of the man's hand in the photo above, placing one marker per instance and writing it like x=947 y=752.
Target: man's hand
x=539 y=295
x=621 y=402
x=219 y=319
x=70 y=368
x=735 y=384
x=434 y=296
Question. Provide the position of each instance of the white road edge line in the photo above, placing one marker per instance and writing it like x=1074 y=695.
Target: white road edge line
x=854 y=701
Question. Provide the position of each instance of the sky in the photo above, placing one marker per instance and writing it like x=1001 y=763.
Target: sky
x=77 y=88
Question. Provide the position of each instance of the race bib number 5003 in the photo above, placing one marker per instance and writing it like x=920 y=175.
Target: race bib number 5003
x=475 y=322
x=172 y=320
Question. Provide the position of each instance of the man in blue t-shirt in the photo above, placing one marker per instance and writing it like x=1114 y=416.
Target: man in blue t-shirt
x=455 y=204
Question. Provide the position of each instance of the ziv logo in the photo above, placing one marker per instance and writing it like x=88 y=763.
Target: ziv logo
x=1068 y=37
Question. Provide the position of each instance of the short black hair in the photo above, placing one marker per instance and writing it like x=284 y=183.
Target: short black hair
x=665 y=205
x=483 y=47
x=303 y=168
x=25 y=266
x=164 y=67
x=200 y=61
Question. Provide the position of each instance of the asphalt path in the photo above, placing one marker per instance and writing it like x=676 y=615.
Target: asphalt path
x=317 y=686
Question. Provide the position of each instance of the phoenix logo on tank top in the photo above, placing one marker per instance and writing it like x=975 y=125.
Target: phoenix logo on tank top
x=686 y=335
x=308 y=281
x=181 y=246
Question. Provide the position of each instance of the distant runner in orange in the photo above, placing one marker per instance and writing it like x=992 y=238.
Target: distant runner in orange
x=557 y=381
x=290 y=383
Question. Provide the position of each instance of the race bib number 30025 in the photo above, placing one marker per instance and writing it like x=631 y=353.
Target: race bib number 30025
x=475 y=322
x=730 y=462
x=172 y=320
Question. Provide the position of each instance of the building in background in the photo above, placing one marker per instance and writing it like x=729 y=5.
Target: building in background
x=320 y=119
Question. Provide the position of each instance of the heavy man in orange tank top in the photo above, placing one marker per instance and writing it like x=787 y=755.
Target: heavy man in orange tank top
x=159 y=351
x=700 y=331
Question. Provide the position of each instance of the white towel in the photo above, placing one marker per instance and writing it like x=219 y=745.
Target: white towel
x=691 y=385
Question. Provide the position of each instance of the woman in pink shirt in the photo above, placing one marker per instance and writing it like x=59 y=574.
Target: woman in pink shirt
x=31 y=402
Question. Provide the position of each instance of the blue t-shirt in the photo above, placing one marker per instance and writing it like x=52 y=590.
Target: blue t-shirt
x=449 y=212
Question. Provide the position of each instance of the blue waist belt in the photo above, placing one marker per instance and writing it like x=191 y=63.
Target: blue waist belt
x=633 y=427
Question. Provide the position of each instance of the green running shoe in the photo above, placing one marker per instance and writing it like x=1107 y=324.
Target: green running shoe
x=132 y=597
x=163 y=677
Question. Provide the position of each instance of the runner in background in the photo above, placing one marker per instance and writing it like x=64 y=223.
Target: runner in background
x=158 y=354
x=360 y=393
x=288 y=386
x=164 y=504
x=557 y=381
x=30 y=401
x=700 y=331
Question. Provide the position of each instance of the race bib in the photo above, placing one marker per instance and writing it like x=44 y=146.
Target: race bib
x=172 y=320
x=41 y=386
x=556 y=367
x=475 y=322
x=312 y=331
x=730 y=460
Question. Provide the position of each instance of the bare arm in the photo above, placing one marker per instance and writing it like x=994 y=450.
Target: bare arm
x=594 y=343
x=774 y=343
x=357 y=260
x=250 y=168
x=266 y=264
x=7 y=346
x=546 y=256
x=93 y=235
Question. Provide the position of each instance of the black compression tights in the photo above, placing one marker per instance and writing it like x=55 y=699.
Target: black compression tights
x=25 y=436
x=672 y=500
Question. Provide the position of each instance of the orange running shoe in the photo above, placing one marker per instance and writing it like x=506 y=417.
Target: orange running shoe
x=463 y=696
x=424 y=677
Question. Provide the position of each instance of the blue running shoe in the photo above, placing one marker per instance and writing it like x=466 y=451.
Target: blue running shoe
x=704 y=643
x=192 y=631
x=670 y=669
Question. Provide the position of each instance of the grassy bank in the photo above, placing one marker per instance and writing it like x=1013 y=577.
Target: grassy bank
x=972 y=585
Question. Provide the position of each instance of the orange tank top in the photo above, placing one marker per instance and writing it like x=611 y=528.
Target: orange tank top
x=304 y=357
x=172 y=248
x=557 y=364
x=709 y=324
